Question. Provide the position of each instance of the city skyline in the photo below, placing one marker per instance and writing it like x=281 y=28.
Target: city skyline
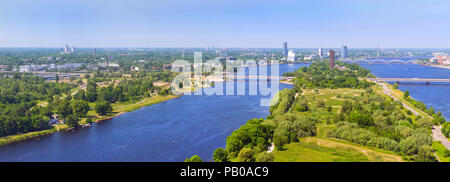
x=252 y=24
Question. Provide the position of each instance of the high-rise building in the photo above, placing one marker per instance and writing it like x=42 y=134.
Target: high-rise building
x=344 y=52
x=285 y=49
x=319 y=52
x=378 y=52
x=66 y=49
x=72 y=50
x=291 y=56
x=331 y=59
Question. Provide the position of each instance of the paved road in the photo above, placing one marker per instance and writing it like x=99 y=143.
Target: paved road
x=436 y=131
x=388 y=91
x=438 y=136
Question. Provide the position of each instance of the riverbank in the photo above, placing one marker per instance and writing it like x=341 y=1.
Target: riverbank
x=118 y=109
x=437 y=66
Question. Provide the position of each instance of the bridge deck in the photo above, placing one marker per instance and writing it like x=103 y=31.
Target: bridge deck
x=412 y=79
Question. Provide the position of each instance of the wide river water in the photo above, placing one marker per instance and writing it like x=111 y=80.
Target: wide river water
x=182 y=127
x=168 y=131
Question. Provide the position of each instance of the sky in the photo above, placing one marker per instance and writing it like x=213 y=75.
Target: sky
x=225 y=23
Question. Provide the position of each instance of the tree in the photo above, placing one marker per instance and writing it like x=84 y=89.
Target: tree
x=72 y=120
x=406 y=94
x=80 y=95
x=360 y=118
x=64 y=108
x=91 y=91
x=220 y=155
x=103 y=107
x=425 y=154
x=395 y=85
x=80 y=107
x=194 y=158
x=89 y=120
x=246 y=155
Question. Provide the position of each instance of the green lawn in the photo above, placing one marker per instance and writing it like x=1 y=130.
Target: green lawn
x=312 y=149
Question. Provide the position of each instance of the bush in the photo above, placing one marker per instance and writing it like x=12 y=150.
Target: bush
x=425 y=154
x=408 y=147
x=265 y=157
x=360 y=118
x=246 y=155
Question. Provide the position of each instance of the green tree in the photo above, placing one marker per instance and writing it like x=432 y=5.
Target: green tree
x=72 y=120
x=194 y=158
x=103 y=107
x=91 y=91
x=360 y=118
x=220 y=155
x=80 y=95
x=80 y=107
x=406 y=94
x=246 y=155
x=64 y=108
x=395 y=85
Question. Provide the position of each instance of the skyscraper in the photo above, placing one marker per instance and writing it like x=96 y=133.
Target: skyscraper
x=72 y=50
x=331 y=59
x=378 y=52
x=66 y=49
x=344 y=52
x=285 y=49
x=320 y=53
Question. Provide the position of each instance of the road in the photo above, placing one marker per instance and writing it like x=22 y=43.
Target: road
x=438 y=136
x=436 y=130
x=388 y=92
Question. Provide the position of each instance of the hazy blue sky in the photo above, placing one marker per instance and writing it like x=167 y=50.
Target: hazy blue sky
x=225 y=23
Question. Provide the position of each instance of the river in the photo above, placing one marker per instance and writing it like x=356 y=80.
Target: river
x=434 y=95
x=182 y=127
x=168 y=131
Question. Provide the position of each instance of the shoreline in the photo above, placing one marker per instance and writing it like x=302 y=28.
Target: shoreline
x=437 y=66
x=36 y=134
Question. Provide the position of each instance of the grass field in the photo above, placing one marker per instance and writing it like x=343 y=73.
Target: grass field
x=439 y=151
x=312 y=149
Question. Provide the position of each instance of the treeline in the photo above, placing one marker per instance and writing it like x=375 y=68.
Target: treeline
x=319 y=75
x=19 y=95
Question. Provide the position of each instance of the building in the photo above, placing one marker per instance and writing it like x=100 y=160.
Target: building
x=66 y=49
x=344 y=52
x=285 y=49
x=320 y=52
x=72 y=50
x=378 y=52
x=331 y=59
x=291 y=56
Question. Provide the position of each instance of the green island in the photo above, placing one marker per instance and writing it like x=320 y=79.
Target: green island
x=338 y=115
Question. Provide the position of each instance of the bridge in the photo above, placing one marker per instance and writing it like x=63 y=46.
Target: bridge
x=381 y=61
x=423 y=80
x=250 y=77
